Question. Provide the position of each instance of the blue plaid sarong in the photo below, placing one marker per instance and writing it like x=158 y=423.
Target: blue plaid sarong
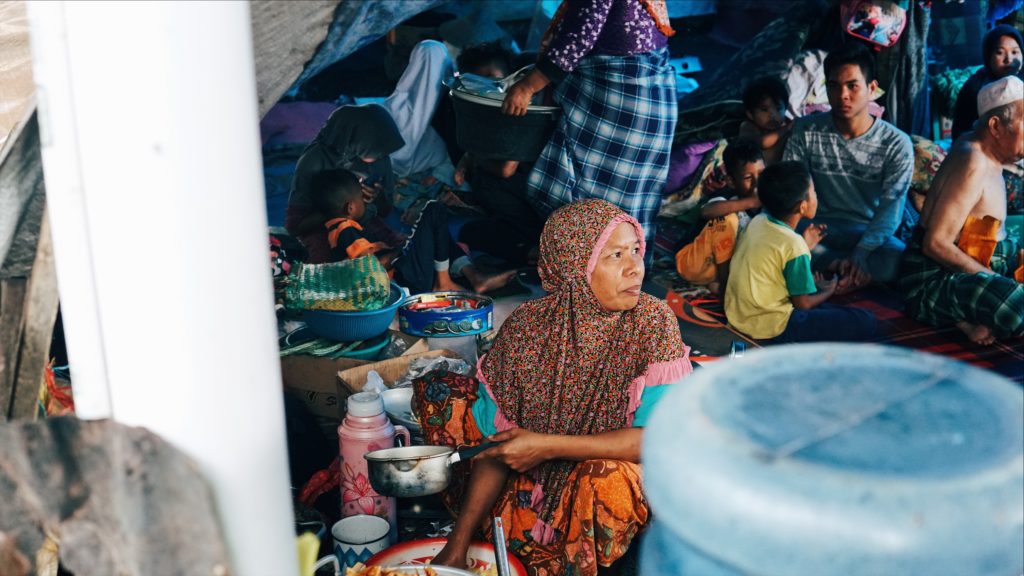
x=613 y=138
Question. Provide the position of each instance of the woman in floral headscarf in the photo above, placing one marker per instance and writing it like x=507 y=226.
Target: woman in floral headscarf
x=566 y=388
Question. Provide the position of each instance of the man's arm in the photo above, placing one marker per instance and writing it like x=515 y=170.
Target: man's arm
x=960 y=192
x=897 y=170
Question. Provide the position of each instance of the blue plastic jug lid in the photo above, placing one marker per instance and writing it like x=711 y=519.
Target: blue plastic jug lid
x=842 y=459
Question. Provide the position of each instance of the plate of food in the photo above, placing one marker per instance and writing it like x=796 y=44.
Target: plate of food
x=421 y=552
x=362 y=570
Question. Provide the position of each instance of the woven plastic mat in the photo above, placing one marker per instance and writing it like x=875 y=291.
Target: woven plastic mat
x=359 y=284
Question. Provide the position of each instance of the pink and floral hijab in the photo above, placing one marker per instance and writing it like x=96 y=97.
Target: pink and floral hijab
x=565 y=365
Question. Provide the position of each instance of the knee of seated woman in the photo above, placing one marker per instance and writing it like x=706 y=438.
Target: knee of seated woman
x=603 y=467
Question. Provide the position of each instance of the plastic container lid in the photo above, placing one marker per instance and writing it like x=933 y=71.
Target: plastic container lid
x=365 y=404
x=842 y=459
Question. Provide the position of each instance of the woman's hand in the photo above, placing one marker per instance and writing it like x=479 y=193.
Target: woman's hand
x=518 y=97
x=520 y=449
x=517 y=100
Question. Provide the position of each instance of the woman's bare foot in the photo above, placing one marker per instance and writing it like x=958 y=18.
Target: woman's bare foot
x=483 y=283
x=977 y=333
x=451 y=556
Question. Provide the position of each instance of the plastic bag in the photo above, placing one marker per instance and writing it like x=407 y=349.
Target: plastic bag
x=396 y=348
x=421 y=366
x=374 y=383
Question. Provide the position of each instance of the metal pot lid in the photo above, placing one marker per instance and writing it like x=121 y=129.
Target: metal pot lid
x=842 y=459
x=495 y=99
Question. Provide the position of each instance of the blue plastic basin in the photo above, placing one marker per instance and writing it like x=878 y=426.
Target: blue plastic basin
x=352 y=326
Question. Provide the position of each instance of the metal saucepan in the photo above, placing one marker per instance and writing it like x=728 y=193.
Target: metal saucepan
x=413 y=471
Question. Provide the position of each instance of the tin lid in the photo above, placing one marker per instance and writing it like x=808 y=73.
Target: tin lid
x=842 y=459
x=365 y=404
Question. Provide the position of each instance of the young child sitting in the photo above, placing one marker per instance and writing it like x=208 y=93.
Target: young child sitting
x=772 y=293
x=705 y=261
x=421 y=265
x=764 y=101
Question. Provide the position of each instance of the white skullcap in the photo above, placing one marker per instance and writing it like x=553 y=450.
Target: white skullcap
x=999 y=93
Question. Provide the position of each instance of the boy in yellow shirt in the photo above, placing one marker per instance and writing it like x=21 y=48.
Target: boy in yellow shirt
x=705 y=261
x=772 y=294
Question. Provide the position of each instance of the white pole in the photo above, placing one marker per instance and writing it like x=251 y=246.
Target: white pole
x=66 y=207
x=157 y=101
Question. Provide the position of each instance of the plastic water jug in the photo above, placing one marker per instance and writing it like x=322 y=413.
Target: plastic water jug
x=829 y=459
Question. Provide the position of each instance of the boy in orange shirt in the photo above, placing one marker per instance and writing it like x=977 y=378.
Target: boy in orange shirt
x=422 y=265
x=705 y=261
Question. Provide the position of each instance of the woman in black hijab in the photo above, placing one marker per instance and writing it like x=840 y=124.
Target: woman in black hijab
x=1001 y=50
x=356 y=138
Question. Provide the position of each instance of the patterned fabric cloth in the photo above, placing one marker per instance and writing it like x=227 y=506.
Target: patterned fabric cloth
x=601 y=510
x=902 y=71
x=1014 y=191
x=564 y=365
x=617 y=27
x=697 y=262
x=928 y=157
x=709 y=177
x=613 y=138
x=936 y=296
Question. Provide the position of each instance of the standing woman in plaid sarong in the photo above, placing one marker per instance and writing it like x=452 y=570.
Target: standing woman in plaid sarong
x=609 y=61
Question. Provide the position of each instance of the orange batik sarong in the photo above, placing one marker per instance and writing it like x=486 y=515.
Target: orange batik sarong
x=601 y=510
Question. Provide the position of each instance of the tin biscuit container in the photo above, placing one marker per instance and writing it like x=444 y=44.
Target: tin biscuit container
x=446 y=314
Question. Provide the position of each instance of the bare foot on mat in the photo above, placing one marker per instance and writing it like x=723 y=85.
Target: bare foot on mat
x=483 y=283
x=977 y=333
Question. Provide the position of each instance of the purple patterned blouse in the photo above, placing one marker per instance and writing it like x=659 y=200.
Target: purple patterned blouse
x=617 y=27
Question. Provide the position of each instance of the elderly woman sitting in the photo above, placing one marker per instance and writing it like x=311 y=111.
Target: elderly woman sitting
x=566 y=388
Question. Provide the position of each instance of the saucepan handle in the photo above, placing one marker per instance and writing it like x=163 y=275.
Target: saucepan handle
x=402 y=433
x=467 y=453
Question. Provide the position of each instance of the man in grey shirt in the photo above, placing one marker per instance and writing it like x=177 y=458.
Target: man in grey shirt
x=861 y=167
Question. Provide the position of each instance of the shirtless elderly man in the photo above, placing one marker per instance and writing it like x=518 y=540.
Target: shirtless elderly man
x=958 y=265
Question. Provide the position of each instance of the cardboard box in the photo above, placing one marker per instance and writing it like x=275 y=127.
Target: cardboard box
x=315 y=381
x=353 y=379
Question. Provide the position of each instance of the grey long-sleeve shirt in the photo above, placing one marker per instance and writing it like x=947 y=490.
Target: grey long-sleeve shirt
x=862 y=180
